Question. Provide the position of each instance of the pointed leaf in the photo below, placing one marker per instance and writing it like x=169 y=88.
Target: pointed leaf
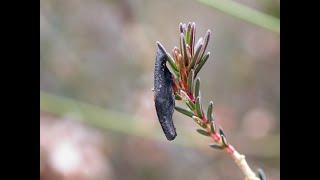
x=182 y=28
x=193 y=37
x=197 y=87
x=221 y=132
x=175 y=53
x=206 y=41
x=209 y=112
x=224 y=140
x=203 y=132
x=169 y=58
x=191 y=80
x=172 y=62
x=183 y=49
x=188 y=33
x=213 y=127
x=174 y=72
x=198 y=107
x=195 y=57
x=216 y=146
x=184 y=111
x=201 y=63
x=191 y=105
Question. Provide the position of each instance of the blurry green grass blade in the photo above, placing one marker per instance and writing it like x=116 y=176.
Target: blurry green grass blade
x=96 y=116
x=93 y=115
x=105 y=119
x=245 y=13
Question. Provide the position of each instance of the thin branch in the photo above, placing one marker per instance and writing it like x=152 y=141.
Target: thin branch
x=191 y=96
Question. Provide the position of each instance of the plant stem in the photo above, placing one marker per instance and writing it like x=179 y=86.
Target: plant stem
x=243 y=165
x=236 y=156
x=206 y=121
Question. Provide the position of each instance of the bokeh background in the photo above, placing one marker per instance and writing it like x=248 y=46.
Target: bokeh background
x=97 y=116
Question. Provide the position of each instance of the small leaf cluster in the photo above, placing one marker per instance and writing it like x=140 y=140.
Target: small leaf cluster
x=185 y=63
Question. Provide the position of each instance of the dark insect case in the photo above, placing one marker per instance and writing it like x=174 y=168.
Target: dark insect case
x=163 y=93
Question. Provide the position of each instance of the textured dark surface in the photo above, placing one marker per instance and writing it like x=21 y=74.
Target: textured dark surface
x=163 y=92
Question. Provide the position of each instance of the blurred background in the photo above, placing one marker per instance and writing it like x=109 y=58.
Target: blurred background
x=98 y=119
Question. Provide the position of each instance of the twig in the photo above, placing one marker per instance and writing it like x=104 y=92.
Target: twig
x=187 y=89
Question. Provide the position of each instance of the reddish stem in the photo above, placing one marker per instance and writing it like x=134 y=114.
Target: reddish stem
x=204 y=119
x=191 y=96
x=216 y=137
x=230 y=149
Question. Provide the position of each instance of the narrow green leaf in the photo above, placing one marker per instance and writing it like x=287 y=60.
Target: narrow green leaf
x=198 y=107
x=209 y=112
x=223 y=137
x=221 y=132
x=184 y=49
x=190 y=105
x=216 y=146
x=201 y=63
x=197 y=47
x=224 y=140
x=181 y=47
x=197 y=87
x=205 y=43
x=203 y=132
x=193 y=37
x=172 y=62
x=213 y=127
x=184 y=111
x=188 y=34
x=191 y=80
x=175 y=73
x=194 y=58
